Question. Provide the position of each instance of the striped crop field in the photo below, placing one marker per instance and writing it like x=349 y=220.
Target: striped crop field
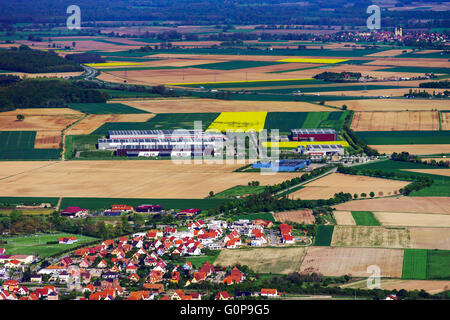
x=312 y=60
x=239 y=121
x=295 y=144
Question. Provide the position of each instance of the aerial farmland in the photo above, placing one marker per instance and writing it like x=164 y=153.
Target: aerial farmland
x=182 y=160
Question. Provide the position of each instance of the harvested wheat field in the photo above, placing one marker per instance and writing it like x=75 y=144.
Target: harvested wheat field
x=388 y=53
x=334 y=261
x=211 y=105
x=41 y=112
x=300 y=216
x=326 y=187
x=412 y=219
x=441 y=172
x=445 y=120
x=344 y=218
x=21 y=167
x=392 y=104
x=365 y=236
x=416 y=149
x=264 y=260
x=439 y=205
x=430 y=286
x=430 y=238
x=94 y=121
x=37 y=122
x=395 y=121
x=47 y=140
x=138 y=179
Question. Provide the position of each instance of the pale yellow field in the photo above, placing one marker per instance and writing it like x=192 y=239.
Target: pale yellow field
x=211 y=105
x=365 y=236
x=21 y=167
x=430 y=286
x=412 y=219
x=335 y=261
x=392 y=104
x=326 y=187
x=416 y=149
x=395 y=121
x=388 y=53
x=130 y=179
x=265 y=260
x=439 y=205
x=94 y=121
x=430 y=238
x=344 y=218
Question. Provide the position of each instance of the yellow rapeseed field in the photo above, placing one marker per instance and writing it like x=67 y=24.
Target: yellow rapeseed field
x=239 y=120
x=295 y=144
x=113 y=64
x=312 y=60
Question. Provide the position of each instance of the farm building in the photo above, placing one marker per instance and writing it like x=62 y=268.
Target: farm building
x=164 y=151
x=67 y=240
x=121 y=207
x=188 y=212
x=149 y=208
x=285 y=165
x=74 y=212
x=313 y=135
x=321 y=149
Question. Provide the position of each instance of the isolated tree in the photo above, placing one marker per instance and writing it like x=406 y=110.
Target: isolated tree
x=211 y=194
x=20 y=117
x=372 y=194
x=363 y=195
x=355 y=196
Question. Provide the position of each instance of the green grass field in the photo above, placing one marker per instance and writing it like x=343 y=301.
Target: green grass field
x=19 y=145
x=239 y=191
x=417 y=69
x=415 y=264
x=254 y=216
x=329 y=88
x=252 y=84
x=365 y=218
x=104 y=108
x=38 y=244
x=105 y=203
x=404 y=137
x=198 y=261
x=75 y=143
x=162 y=121
x=114 y=94
x=324 y=235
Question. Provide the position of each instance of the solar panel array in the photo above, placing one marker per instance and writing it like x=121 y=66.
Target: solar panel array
x=314 y=131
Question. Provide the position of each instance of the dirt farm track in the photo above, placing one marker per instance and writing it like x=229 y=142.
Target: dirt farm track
x=125 y=179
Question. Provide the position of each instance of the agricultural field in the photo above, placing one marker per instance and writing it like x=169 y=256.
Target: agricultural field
x=430 y=286
x=365 y=218
x=239 y=191
x=327 y=186
x=216 y=106
x=39 y=244
x=344 y=218
x=364 y=236
x=239 y=121
x=299 y=216
x=104 y=108
x=392 y=104
x=417 y=149
x=19 y=145
x=284 y=121
x=94 y=121
x=404 y=137
x=434 y=205
x=324 y=235
x=409 y=219
x=395 y=121
x=150 y=179
x=339 y=261
x=430 y=238
x=264 y=260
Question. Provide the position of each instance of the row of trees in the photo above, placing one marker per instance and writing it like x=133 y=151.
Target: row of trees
x=407 y=157
x=354 y=140
x=338 y=76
